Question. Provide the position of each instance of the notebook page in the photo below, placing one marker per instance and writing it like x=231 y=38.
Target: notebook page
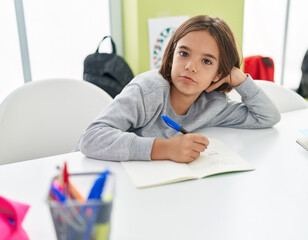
x=218 y=158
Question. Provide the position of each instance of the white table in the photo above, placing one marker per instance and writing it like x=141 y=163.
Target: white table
x=268 y=203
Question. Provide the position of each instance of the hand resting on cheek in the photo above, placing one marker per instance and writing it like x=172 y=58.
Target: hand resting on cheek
x=235 y=78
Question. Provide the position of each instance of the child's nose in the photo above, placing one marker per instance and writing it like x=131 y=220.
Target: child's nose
x=191 y=66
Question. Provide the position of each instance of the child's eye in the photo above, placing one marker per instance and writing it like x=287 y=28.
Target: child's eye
x=206 y=61
x=183 y=53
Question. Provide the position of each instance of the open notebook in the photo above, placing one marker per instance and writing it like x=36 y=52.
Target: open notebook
x=217 y=158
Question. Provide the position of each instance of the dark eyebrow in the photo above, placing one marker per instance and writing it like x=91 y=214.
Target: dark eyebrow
x=205 y=54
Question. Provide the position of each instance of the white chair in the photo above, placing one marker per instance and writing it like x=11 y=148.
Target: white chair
x=47 y=117
x=285 y=99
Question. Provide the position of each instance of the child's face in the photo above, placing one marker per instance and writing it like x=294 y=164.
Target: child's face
x=195 y=63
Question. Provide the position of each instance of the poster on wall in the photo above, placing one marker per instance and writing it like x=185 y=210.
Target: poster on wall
x=160 y=31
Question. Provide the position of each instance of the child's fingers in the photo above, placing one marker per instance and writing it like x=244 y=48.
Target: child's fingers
x=200 y=139
x=216 y=79
x=214 y=85
x=195 y=154
x=199 y=147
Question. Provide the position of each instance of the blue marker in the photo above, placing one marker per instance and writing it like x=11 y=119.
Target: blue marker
x=173 y=124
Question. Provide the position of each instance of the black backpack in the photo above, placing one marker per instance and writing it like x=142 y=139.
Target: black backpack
x=107 y=70
x=303 y=87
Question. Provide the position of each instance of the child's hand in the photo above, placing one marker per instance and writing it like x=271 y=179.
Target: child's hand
x=235 y=78
x=184 y=148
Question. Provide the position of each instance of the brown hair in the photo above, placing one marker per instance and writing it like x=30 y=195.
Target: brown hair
x=220 y=31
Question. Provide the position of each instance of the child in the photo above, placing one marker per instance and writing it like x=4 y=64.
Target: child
x=200 y=64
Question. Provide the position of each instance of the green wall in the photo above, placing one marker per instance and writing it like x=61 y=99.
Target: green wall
x=137 y=12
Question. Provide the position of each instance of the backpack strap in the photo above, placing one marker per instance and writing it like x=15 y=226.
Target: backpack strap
x=114 y=50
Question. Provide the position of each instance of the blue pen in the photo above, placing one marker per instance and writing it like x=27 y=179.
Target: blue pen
x=173 y=124
x=95 y=194
x=98 y=186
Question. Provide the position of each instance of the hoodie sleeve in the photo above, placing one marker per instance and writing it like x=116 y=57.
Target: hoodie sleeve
x=109 y=137
x=255 y=111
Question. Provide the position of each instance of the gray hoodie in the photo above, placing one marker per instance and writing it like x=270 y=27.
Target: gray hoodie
x=126 y=129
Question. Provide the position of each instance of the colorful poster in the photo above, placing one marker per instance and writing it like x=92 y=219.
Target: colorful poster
x=160 y=32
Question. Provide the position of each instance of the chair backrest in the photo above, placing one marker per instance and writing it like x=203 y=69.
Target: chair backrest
x=47 y=117
x=285 y=99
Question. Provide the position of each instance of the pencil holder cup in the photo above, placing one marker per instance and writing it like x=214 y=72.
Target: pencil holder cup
x=82 y=218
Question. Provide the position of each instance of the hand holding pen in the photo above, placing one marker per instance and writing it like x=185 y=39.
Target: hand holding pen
x=183 y=148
